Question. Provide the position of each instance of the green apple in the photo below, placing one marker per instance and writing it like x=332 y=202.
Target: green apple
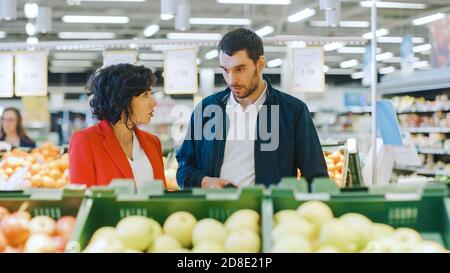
x=360 y=225
x=292 y=244
x=209 y=247
x=406 y=238
x=390 y=245
x=164 y=244
x=156 y=228
x=335 y=233
x=135 y=232
x=180 y=225
x=102 y=232
x=284 y=215
x=373 y=247
x=428 y=247
x=244 y=218
x=316 y=212
x=381 y=231
x=105 y=244
x=243 y=241
x=292 y=226
x=208 y=230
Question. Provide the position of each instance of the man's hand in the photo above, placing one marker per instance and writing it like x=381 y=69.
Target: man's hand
x=214 y=182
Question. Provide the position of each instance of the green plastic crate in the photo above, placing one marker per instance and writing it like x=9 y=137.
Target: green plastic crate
x=108 y=207
x=426 y=209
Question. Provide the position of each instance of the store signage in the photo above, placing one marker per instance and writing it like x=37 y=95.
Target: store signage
x=308 y=69
x=6 y=75
x=112 y=57
x=180 y=71
x=31 y=73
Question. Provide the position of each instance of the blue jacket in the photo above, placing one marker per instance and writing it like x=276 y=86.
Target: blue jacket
x=298 y=145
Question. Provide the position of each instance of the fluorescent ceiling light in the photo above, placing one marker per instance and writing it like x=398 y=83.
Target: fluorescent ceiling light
x=393 y=5
x=358 y=75
x=326 y=68
x=384 y=56
x=380 y=32
x=31 y=10
x=256 y=2
x=428 y=19
x=95 y=19
x=220 y=21
x=264 y=31
x=354 y=50
x=166 y=16
x=151 y=30
x=397 y=40
x=32 y=40
x=212 y=54
x=332 y=46
x=2 y=34
x=199 y=61
x=86 y=35
x=71 y=63
x=349 y=63
x=421 y=64
x=151 y=56
x=421 y=48
x=362 y=24
x=301 y=15
x=193 y=36
x=274 y=63
x=30 y=29
x=74 y=56
x=387 y=70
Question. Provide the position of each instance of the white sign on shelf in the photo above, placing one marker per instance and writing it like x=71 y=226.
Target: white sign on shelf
x=308 y=69
x=180 y=71
x=112 y=57
x=6 y=75
x=31 y=73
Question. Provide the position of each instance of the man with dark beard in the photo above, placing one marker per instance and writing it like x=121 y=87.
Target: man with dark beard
x=249 y=133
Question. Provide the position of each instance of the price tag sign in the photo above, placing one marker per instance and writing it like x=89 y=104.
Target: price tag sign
x=112 y=57
x=180 y=71
x=308 y=69
x=31 y=73
x=6 y=75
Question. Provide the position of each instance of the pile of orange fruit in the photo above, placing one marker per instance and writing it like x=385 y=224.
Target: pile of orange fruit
x=336 y=166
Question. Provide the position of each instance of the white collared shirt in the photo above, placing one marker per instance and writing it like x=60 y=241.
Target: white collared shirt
x=239 y=157
x=140 y=165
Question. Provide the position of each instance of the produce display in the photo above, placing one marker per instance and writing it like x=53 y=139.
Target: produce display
x=180 y=232
x=336 y=166
x=313 y=228
x=42 y=167
x=20 y=232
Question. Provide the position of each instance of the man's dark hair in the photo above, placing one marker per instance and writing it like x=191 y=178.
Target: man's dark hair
x=240 y=39
x=114 y=86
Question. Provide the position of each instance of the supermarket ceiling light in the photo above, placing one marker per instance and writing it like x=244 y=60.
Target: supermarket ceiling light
x=264 y=31
x=74 y=56
x=31 y=10
x=387 y=70
x=380 y=32
x=332 y=46
x=352 y=50
x=359 y=24
x=349 y=63
x=193 y=36
x=211 y=54
x=301 y=15
x=398 y=40
x=384 y=56
x=86 y=35
x=326 y=68
x=220 y=21
x=151 y=30
x=274 y=63
x=357 y=75
x=32 y=40
x=428 y=19
x=30 y=29
x=71 y=63
x=421 y=48
x=151 y=56
x=95 y=19
x=421 y=64
x=393 y=5
x=2 y=34
x=256 y=2
x=166 y=16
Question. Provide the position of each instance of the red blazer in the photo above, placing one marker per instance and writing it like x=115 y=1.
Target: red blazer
x=96 y=157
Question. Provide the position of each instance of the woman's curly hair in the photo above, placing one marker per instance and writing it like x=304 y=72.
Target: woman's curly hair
x=113 y=87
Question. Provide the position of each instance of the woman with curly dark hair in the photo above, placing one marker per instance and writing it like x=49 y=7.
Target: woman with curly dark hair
x=121 y=99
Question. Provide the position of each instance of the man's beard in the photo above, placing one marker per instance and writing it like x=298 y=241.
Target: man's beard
x=248 y=91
